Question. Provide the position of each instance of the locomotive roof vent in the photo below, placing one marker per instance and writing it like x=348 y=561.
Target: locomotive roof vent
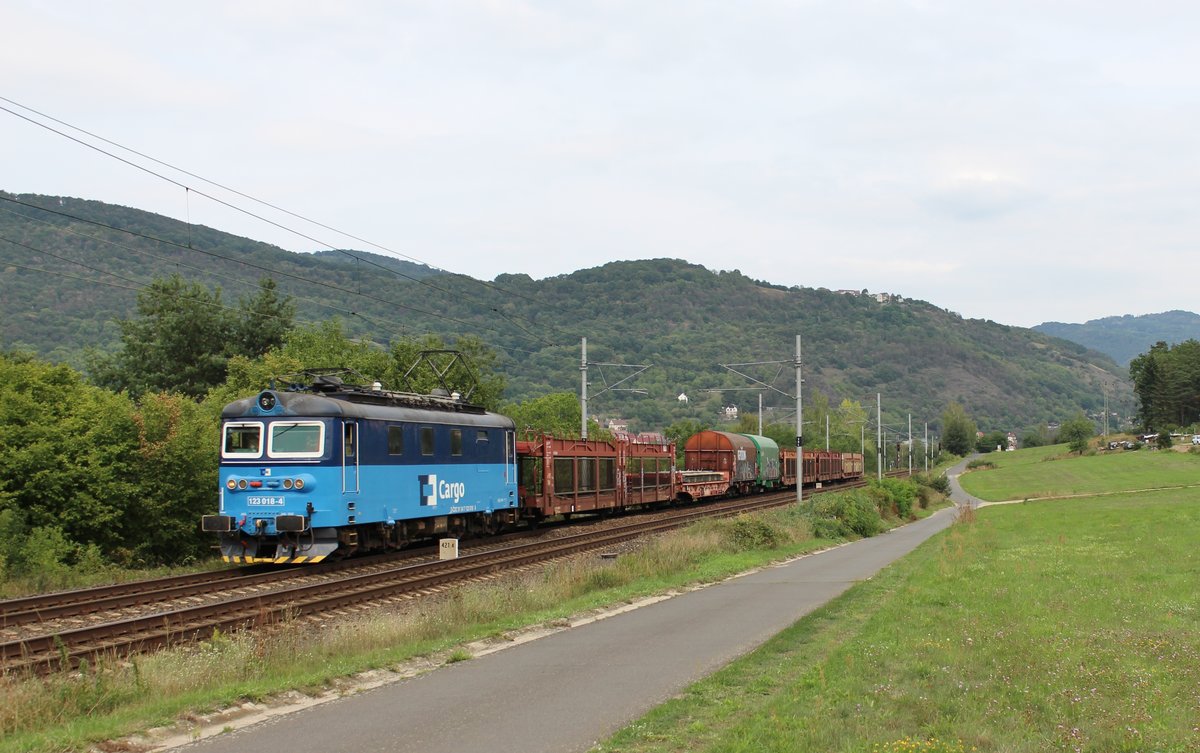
x=439 y=392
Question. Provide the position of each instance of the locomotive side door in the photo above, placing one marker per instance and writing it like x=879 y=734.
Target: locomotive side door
x=350 y=453
x=510 y=458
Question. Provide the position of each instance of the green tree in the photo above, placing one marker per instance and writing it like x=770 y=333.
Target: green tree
x=64 y=451
x=326 y=345
x=85 y=471
x=683 y=430
x=816 y=413
x=558 y=413
x=1077 y=431
x=958 y=430
x=852 y=423
x=1038 y=436
x=747 y=423
x=183 y=336
x=175 y=461
x=178 y=341
x=990 y=441
x=1150 y=382
x=264 y=321
x=783 y=434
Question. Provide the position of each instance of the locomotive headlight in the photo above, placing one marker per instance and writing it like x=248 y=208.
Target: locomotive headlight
x=287 y=483
x=266 y=401
x=299 y=483
x=242 y=484
x=231 y=484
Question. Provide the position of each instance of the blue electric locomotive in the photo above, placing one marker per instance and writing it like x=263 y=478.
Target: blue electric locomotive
x=333 y=469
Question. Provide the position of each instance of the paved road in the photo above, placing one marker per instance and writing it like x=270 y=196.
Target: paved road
x=957 y=495
x=572 y=689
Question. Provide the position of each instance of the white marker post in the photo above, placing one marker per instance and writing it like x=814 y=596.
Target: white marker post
x=448 y=549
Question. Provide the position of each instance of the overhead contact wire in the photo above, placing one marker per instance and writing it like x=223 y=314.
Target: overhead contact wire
x=242 y=194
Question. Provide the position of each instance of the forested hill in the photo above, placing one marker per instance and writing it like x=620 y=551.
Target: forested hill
x=1126 y=337
x=69 y=279
x=72 y=268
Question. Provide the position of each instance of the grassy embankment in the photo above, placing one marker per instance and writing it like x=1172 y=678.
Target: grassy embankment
x=69 y=712
x=1051 y=472
x=1060 y=625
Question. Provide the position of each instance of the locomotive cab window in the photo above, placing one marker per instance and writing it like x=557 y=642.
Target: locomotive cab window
x=456 y=445
x=296 y=439
x=481 y=436
x=242 y=441
x=426 y=440
x=395 y=440
x=348 y=440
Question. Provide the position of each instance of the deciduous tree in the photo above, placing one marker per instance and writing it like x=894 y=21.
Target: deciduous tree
x=1077 y=431
x=958 y=430
x=183 y=336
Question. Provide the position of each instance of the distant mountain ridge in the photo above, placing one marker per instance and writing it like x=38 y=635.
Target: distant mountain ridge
x=66 y=281
x=1126 y=337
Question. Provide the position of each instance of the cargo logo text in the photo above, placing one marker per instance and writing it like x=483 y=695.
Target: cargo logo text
x=434 y=491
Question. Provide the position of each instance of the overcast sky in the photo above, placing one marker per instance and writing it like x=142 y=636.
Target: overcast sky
x=1009 y=160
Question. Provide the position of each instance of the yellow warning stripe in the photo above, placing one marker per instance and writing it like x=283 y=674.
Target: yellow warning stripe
x=235 y=559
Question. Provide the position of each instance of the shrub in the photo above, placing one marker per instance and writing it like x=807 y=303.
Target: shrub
x=927 y=495
x=894 y=496
x=855 y=511
x=829 y=528
x=939 y=483
x=753 y=532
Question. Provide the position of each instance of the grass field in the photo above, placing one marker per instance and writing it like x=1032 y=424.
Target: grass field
x=1051 y=472
x=1069 y=625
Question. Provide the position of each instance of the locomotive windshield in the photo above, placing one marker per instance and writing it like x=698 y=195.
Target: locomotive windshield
x=296 y=439
x=242 y=441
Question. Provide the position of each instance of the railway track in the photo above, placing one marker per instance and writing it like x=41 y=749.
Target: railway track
x=263 y=598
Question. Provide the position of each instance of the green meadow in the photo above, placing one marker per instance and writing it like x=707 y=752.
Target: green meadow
x=1058 y=625
x=1052 y=472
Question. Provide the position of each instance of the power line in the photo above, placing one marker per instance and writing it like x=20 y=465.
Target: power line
x=210 y=197
x=238 y=193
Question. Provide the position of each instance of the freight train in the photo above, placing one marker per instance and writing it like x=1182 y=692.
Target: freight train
x=330 y=469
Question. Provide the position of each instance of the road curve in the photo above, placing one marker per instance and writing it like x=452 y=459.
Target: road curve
x=571 y=689
x=957 y=495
